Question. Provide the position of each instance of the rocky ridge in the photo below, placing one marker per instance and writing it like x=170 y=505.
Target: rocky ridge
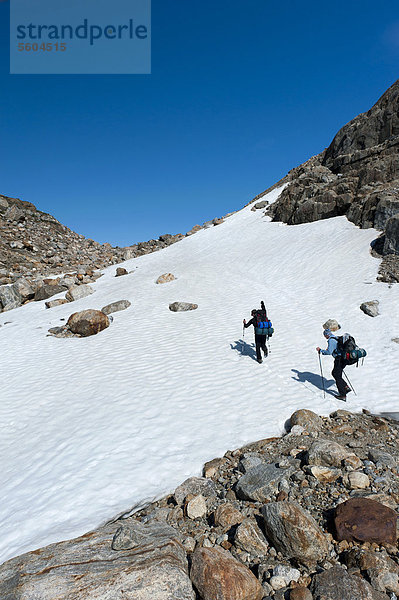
x=309 y=515
x=356 y=176
x=34 y=245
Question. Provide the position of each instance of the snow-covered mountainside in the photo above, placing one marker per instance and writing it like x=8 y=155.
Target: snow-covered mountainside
x=92 y=427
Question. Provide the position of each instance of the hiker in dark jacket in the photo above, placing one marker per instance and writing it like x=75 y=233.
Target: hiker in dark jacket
x=260 y=334
x=339 y=364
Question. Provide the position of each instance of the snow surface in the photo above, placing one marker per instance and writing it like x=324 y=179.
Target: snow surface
x=92 y=427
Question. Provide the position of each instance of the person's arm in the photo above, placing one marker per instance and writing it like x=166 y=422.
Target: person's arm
x=251 y=322
x=332 y=345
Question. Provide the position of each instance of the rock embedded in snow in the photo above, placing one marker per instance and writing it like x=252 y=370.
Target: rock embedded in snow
x=294 y=532
x=116 y=306
x=219 y=576
x=76 y=292
x=370 y=308
x=182 y=306
x=259 y=205
x=88 y=322
x=48 y=288
x=58 y=302
x=120 y=271
x=165 y=278
x=153 y=567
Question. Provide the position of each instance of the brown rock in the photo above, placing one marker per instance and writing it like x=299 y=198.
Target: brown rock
x=88 y=322
x=58 y=302
x=211 y=467
x=300 y=593
x=250 y=538
x=120 y=271
x=219 y=576
x=226 y=516
x=306 y=419
x=364 y=520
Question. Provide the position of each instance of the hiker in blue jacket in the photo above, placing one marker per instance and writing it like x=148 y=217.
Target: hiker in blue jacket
x=339 y=363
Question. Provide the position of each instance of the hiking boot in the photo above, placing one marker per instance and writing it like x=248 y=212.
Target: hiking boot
x=265 y=352
x=340 y=397
x=260 y=360
x=347 y=389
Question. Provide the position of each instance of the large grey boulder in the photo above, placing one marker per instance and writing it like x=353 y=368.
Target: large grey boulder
x=337 y=584
x=24 y=289
x=47 y=290
x=370 y=308
x=195 y=486
x=261 y=482
x=9 y=297
x=294 y=532
x=391 y=244
x=150 y=565
x=76 y=292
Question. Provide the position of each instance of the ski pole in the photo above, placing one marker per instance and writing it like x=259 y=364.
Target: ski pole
x=322 y=377
x=347 y=379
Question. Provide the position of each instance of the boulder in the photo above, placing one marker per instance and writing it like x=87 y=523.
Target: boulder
x=182 y=306
x=249 y=537
x=294 y=532
x=332 y=324
x=365 y=520
x=261 y=482
x=193 y=487
x=9 y=297
x=301 y=593
x=58 y=302
x=261 y=204
x=120 y=271
x=76 y=292
x=391 y=244
x=325 y=474
x=383 y=459
x=165 y=278
x=212 y=466
x=337 y=584
x=306 y=419
x=370 y=308
x=226 y=516
x=24 y=289
x=219 y=576
x=116 y=306
x=152 y=567
x=88 y=322
x=326 y=453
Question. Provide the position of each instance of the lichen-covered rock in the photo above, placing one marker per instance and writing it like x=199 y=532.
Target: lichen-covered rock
x=182 y=306
x=88 y=322
x=306 y=419
x=152 y=566
x=219 y=576
x=294 y=532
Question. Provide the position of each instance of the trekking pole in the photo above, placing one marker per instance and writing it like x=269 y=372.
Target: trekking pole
x=322 y=377
x=347 y=379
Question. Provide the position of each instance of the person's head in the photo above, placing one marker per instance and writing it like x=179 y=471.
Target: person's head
x=253 y=312
x=327 y=333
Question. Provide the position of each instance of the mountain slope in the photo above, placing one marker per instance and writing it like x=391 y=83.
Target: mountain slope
x=95 y=426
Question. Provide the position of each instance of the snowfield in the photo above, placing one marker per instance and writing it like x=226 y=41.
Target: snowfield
x=94 y=427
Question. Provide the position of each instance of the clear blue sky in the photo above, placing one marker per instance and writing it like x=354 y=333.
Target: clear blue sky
x=240 y=93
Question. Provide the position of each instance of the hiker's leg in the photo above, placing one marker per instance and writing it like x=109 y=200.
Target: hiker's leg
x=337 y=374
x=258 y=344
x=263 y=345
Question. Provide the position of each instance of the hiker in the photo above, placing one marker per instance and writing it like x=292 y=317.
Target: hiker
x=263 y=329
x=339 y=364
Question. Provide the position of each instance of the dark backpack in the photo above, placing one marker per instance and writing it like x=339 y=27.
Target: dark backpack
x=262 y=324
x=349 y=350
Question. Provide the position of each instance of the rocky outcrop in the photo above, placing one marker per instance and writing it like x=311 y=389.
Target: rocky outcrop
x=135 y=561
x=356 y=176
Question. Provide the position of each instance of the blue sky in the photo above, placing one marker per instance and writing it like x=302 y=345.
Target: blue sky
x=239 y=94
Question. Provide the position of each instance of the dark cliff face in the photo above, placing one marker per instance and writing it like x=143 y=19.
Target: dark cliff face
x=356 y=176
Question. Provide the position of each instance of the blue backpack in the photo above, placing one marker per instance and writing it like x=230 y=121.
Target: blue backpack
x=262 y=324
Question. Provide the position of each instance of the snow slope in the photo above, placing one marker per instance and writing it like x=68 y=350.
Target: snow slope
x=93 y=427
